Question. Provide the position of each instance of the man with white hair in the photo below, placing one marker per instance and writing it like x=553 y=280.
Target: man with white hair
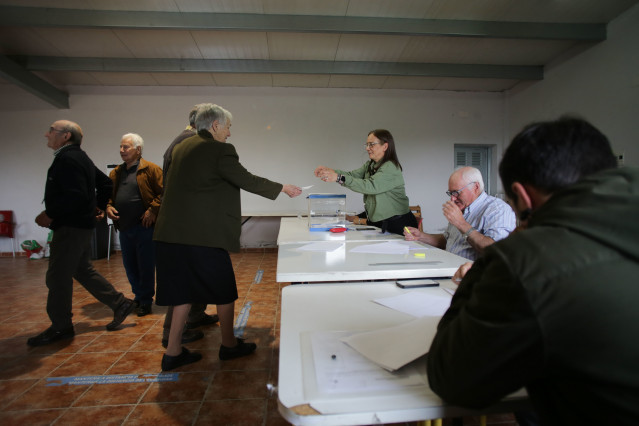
x=133 y=207
x=475 y=219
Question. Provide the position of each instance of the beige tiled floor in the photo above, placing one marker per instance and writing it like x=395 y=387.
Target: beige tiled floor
x=209 y=392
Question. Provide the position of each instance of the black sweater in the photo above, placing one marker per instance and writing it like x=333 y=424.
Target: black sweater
x=74 y=188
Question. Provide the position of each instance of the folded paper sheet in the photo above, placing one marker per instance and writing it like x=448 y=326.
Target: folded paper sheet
x=394 y=347
x=418 y=304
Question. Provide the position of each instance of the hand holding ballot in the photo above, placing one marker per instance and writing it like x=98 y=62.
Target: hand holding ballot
x=380 y=181
x=291 y=190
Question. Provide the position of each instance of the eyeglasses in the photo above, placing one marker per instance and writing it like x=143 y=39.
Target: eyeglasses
x=51 y=129
x=370 y=144
x=459 y=191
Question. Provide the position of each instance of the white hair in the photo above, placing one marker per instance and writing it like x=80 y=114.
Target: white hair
x=207 y=114
x=472 y=174
x=135 y=139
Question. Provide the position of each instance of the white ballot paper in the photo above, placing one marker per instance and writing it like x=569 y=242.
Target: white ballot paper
x=323 y=246
x=340 y=369
x=394 y=347
x=417 y=303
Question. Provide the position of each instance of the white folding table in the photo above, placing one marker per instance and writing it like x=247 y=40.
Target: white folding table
x=294 y=230
x=349 y=307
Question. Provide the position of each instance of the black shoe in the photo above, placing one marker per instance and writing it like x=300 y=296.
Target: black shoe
x=51 y=335
x=239 y=350
x=143 y=309
x=206 y=320
x=188 y=336
x=120 y=314
x=186 y=357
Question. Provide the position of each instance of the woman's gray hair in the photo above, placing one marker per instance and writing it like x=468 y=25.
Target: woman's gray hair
x=136 y=140
x=472 y=174
x=207 y=114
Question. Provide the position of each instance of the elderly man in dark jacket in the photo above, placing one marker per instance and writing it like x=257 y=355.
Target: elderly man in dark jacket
x=70 y=211
x=552 y=308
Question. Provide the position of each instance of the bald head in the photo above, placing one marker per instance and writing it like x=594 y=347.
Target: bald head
x=63 y=132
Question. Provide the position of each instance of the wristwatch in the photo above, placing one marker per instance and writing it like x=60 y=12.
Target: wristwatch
x=467 y=234
x=341 y=179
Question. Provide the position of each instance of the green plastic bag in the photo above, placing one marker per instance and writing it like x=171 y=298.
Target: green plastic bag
x=31 y=247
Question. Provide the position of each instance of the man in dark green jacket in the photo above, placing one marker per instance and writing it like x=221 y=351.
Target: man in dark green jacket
x=552 y=308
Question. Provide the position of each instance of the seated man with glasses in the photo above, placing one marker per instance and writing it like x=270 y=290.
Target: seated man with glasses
x=475 y=219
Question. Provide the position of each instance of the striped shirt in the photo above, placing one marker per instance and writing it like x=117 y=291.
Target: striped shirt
x=490 y=216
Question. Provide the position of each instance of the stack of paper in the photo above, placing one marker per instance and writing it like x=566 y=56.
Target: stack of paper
x=402 y=344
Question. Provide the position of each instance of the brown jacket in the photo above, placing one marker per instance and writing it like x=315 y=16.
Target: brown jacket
x=149 y=177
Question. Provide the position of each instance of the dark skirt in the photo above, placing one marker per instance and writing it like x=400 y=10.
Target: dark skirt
x=193 y=274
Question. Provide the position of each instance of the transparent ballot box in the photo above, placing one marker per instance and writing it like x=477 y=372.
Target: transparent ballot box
x=326 y=211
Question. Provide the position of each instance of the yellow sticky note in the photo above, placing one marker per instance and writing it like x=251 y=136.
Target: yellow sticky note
x=419 y=254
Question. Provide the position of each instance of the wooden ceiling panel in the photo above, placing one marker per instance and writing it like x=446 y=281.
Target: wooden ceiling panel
x=389 y=44
x=380 y=48
x=26 y=41
x=75 y=42
x=159 y=43
x=303 y=46
x=231 y=44
x=386 y=9
x=184 y=79
x=412 y=83
x=124 y=78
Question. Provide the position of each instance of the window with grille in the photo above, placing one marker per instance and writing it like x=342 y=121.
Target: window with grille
x=477 y=156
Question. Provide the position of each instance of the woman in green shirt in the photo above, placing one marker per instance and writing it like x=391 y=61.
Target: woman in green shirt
x=381 y=181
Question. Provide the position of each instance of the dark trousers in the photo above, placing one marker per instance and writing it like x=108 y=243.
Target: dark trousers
x=70 y=258
x=138 y=257
x=395 y=224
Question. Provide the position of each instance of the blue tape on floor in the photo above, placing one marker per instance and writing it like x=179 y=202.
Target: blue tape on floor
x=258 y=276
x=114 y=378
x=242 y=319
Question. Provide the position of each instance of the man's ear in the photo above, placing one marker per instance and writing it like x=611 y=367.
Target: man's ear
x=523 y=199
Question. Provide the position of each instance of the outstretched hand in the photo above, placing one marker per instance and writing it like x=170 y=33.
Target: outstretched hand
x=326 y=174
x=291 y=190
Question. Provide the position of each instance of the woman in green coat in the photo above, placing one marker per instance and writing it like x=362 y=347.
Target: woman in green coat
x=381 y=181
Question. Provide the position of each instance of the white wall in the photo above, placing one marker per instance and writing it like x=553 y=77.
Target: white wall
x=309 y=127
x=600 y=85
x=280 y=133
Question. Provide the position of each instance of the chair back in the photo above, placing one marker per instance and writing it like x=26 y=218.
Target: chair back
x=417 y=211
x=6 y=223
